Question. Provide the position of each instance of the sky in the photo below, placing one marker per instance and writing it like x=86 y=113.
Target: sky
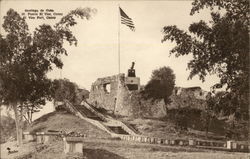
x=96 y=54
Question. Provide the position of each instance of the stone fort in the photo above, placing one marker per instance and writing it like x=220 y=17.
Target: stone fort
x=120 y=94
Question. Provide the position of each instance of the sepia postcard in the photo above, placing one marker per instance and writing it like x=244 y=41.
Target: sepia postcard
x=124 y=79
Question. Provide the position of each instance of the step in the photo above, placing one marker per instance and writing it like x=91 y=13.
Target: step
x=118 y=130
x=95 y=118
x=86 y=112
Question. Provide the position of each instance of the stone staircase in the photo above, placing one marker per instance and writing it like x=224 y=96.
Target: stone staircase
x=118 y=130
x=89 y=113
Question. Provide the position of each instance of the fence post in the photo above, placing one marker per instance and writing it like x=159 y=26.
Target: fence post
x=191 y=142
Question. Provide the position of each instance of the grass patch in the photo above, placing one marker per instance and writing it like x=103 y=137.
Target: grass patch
x=63 y=121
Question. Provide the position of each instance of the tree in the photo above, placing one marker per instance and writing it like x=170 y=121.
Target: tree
x=64 y=89
x=161 y=84
x=29 y=109
x=181 y=118
x=26 y=58
x=222 y=105
x=219 y=47
x=209 y=112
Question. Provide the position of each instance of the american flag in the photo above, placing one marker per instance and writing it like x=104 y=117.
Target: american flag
x=126 y=20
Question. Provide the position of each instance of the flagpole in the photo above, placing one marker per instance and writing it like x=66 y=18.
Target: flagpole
x=119 y=21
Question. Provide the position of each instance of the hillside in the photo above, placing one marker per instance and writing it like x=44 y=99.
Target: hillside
x=63 y=121
x=168 y=130
x=99 y=145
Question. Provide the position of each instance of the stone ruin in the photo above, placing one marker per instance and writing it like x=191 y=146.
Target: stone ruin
x=191 y=97
x=110 y=92
x=120 y=94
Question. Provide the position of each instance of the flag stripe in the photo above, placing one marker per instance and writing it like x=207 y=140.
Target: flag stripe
x=126 y=20
x=129 y=25
x=126 y=17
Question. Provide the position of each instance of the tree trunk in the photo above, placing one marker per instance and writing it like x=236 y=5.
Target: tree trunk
x=26 y=118
x=208 y=123
x=18 y=121
x=14 y=105
x=31 y=114
x=21 y=125
x=207 y=127
x=19 y=140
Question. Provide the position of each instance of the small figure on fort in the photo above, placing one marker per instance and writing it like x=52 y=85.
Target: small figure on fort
x=131 y=71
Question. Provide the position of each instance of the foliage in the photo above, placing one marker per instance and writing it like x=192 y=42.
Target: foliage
x=208 y=114
x=26 y=58
x=219 y=47
x=64 y=89
x=181 y=119
x=223 y=104
x=161 y=84
x=28 y=110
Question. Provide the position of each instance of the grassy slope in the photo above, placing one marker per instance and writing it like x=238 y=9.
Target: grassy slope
x=96 y=148
x=63 y=121
x=148 y=127
x=165 y=129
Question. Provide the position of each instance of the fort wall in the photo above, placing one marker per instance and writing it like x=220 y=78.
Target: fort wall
x=121 y=95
